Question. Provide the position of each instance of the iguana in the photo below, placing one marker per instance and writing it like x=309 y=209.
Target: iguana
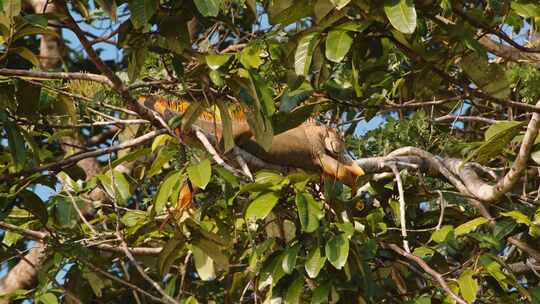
x=309 y=146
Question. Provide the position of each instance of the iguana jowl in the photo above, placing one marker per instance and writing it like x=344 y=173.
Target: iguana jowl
x=310 y=147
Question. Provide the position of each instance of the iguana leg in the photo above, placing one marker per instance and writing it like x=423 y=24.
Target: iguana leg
x=346 y=173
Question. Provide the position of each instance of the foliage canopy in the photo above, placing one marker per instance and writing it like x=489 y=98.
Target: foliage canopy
x=451 y=155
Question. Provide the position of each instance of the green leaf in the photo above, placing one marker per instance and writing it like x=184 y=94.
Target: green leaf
x=142 y=11
x=164 y=155
x=269 y=177
x=442 y=234
x=535 y=292
x=208 y=8
x=47 y=298
x=12 y=7
x=337 y=250
x=161 y=140
x=339 y=4
x=264 y=94
x=526 y=8
x=214 y=61
x=503 y=228
x=468 y=286
x=501 y=126
x=499 y=138
x=200 y=173
x=494 y=269
x=321 y=9
x=320 y=294
x=97 y=283
x=251 y=56
x=295 y=290
x=469 y=226
x=122 y=185
x=221 y=262
x=272 y=272
x=489 y=77
x=116 y=185
x=423 y=252
x=170 y=252
x=261 y=127
x=26 y=54
x=262 y=205
x=190 y=300
x=226 y=123
x=31 y=202
x=133 y=217
x=289 y=258
x=204 y=264
x=314 y=262
x=309 y=211
x=131 y=156
x=168 y=187
x=402 y=15
x=423 y=299
x=136 y=62
x=338 y=44
x=287 y=11
x=347 y=228
x=66 y=216
x=16 y=145
x=304 y=53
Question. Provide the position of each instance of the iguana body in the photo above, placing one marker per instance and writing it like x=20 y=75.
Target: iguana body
x=310 y=147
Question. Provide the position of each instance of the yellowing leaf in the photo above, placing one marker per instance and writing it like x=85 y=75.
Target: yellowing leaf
x=203 y=264
x=442 y=234
x=518 y=217
x=339 y=4
x=469 y=226
x=214 y=61
x=468 y=286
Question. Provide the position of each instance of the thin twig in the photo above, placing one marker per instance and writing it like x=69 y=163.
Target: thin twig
x=77 y=157
x=437 y=276
x=55 y=75
x=117 y=279
x=141 y=271
x=208 y=146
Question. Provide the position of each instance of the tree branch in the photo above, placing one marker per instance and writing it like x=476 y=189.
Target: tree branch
x=437 y=276
x=55 y=75
x=77 y=157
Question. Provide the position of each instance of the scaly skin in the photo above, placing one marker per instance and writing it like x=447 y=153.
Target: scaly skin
x=309 y=147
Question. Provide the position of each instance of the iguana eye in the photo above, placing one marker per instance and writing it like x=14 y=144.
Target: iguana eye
x=333 y=145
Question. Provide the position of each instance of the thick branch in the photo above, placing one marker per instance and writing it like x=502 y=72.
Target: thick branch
x=509 y=53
